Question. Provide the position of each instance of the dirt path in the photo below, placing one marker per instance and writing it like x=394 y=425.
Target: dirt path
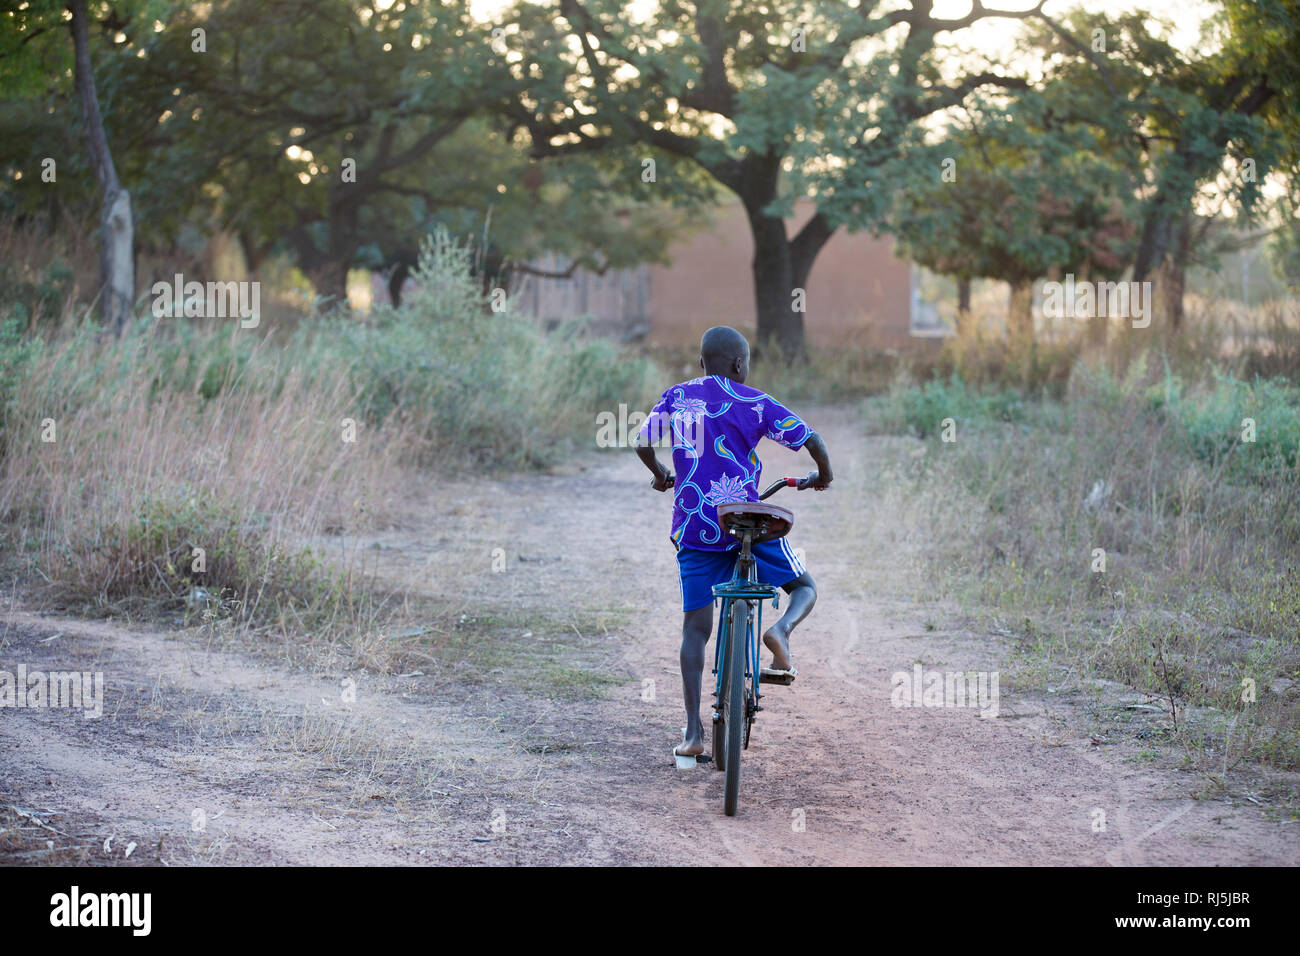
x=207 y=754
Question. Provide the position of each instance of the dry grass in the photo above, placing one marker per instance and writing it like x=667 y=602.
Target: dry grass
x=224 y=475
x=110 y=485
x=1200 y=590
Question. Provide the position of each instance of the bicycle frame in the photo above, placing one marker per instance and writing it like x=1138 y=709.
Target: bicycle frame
x=743 y=586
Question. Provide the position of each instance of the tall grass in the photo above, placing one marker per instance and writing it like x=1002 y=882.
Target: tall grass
x=185 y=465
x=482 y=389
x=116 y=485
x=1126 y=532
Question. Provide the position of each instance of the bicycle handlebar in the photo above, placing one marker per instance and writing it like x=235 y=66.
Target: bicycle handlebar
x=783 y=483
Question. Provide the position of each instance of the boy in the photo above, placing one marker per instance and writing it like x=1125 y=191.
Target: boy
x=716 y=422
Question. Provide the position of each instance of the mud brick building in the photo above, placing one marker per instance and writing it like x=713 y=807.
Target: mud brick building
x=859 y=292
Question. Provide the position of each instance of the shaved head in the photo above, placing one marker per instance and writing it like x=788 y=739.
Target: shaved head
x=724 y=351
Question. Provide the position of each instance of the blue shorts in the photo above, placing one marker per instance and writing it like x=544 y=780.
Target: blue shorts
x=698 y=571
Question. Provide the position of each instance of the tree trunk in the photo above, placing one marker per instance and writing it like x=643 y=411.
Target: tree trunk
x=780 y=326
x=781 y=264
x=254 y=252
x=782 y=267
x=396 y=280
x=327 y=270
x=1152 y=245
x=1185 y=167
x=1175 y=277
x=963 y=304
x=330 y=280
x=117 y=228
x=1020 y=315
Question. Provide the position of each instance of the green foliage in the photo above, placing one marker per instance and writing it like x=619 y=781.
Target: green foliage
x=921 y=409
x=202 y=361
x=1207 y=420
x=491 y=388
x=1283 y=247
x=32 y=44
x=404 y=91
x=486 y=389
x=41 y=298
x=1030 y=195
x=1212 y=421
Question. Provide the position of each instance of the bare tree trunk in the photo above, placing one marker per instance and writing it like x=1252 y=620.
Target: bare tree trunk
x=327 y=270
x=963 y=305
x=779 y=324
x=330 y=280
x=396 y=280
x=254 y=252
x=1020 y=316
x=1175 y=274
x=1151 y=246
x=117 y=227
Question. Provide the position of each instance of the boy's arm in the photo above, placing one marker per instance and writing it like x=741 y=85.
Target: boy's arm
x=822 y=477
x=663 y=478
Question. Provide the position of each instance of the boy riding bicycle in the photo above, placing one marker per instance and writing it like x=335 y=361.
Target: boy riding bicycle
x=716 y=422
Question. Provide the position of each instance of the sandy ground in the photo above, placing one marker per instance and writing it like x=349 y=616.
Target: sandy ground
x=209 y=753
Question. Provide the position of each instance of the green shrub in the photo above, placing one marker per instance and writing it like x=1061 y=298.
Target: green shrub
x=38 y=300
x=921 y=409
x=1213 y=421
x=489 y=389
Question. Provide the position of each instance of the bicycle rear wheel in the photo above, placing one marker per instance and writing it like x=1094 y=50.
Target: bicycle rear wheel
x=733 y=707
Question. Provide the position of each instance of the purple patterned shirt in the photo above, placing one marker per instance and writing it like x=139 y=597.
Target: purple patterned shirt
x=716 y=425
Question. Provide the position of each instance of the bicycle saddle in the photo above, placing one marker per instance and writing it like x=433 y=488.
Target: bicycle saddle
x=767 y=522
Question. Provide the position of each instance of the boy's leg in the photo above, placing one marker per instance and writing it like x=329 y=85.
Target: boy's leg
x=803 y=595
x=697 y=625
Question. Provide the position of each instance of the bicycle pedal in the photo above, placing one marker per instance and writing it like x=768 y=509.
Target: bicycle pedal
x=785 y=680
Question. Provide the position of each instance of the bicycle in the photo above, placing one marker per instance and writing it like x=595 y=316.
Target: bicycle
x=736 y=663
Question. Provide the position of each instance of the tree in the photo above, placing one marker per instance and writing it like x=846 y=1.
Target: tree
x=340 y=132
x=28 y=42
x=770 y=103
x=1225 y=115
x=1031 y=193
x=511 y=210
x=117 y=227
x=310 y=123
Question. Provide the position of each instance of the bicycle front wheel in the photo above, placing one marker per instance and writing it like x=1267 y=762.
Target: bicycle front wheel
x=733 y=707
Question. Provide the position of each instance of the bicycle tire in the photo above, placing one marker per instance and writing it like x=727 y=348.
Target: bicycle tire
x=720 y=704
x=733 y=686
x=719 y=744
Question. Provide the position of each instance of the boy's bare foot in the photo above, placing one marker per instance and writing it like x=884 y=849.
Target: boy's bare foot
x=779 y=644
x=692 y=745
